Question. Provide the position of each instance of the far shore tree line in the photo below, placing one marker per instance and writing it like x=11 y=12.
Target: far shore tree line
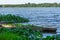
x=32 y=5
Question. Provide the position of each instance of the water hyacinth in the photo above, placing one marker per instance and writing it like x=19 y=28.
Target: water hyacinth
x=23 y=33
x=9 y=18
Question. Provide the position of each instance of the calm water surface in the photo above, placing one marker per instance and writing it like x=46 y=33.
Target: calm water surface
x=49 y=16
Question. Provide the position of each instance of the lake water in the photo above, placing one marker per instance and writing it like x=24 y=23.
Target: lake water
x=42 y=16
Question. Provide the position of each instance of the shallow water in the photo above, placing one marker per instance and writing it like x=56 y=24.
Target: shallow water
x=49 y=16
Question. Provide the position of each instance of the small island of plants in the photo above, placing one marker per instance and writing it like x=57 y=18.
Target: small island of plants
x=12 y=19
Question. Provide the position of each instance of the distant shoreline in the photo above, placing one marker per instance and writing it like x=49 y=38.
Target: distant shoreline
x=31 y=5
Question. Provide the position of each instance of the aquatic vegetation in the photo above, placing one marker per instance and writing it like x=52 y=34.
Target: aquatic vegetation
x=19 y=34
x=58 y=37
x=9 y=18
x=19 y=25
x=8 y=36
x=49 y=38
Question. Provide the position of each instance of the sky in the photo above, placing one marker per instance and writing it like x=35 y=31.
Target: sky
x=27 y=1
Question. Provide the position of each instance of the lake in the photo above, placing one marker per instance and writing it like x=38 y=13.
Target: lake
x=41 y=16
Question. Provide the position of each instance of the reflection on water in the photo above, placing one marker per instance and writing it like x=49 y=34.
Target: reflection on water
x=37 y=16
